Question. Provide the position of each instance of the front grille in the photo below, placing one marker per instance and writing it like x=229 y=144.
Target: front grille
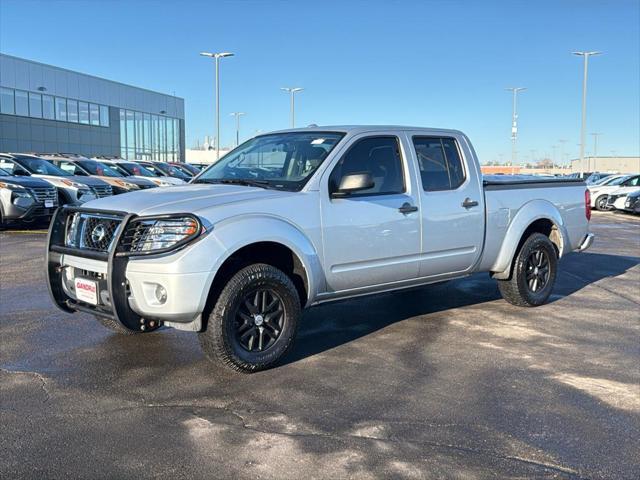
x=45 y=193
x=94 y=232
x=102 y=190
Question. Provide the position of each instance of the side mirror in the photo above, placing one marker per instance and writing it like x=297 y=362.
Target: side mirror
x=352 y=183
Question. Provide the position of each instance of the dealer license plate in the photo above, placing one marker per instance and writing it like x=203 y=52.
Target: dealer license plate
x=48 y=203
x=86 y=291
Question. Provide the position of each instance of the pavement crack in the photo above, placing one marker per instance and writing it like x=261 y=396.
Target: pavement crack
x=40 y=377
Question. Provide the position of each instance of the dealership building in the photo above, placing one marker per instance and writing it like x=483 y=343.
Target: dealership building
x=49 y=109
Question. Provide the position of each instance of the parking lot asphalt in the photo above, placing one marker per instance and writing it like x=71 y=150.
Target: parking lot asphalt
x=446 y=381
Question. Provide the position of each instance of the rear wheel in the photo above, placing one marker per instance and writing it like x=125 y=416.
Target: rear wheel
x=601 y=202
x=533 y=273
x=254 y=321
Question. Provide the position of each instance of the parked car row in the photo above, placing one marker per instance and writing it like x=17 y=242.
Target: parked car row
x=616 y=192
x=33 y=185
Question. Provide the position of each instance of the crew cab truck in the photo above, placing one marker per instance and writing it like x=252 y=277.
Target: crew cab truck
x=295 y=218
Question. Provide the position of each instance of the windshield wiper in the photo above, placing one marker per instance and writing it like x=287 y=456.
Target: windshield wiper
x=236 y=181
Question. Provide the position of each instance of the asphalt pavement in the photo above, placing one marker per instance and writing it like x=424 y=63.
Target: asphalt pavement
x=447 y=381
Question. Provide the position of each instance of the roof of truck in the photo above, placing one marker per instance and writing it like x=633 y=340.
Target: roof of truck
x=355 y=129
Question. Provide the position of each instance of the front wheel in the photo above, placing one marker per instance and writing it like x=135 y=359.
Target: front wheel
x=533 y=274
x=254 y=321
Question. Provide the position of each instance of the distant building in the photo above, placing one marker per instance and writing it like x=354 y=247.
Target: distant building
x=607 y=164
x=50 y=109
x=204 y=156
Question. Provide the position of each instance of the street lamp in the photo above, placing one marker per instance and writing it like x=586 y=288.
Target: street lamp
x=586 y=56
x=217 y=57
x=292 y=93
x=237 y=115
x=514 y=122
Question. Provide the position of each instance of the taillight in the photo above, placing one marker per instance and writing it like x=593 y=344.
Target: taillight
x=587 y=204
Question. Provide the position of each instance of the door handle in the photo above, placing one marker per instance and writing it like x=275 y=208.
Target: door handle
x=468 y=203
x=407 y=208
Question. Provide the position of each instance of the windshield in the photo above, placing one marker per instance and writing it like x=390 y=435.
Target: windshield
x=618 y=181
x=130 y=168
x=279 y=160
x=38 y=166
x=170 y=170
x=98 y=168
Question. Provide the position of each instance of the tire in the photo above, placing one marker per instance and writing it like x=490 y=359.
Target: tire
x=533 y=273
x=254 y=321
x=601 y=203
x=116 y=327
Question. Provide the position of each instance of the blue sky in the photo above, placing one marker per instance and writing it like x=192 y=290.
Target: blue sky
x=425 y=63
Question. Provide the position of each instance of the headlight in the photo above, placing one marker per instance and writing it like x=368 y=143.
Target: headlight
x=79 y=186
x=15 y=188
x=127 y=185
x=155 y=235
x=160 y=183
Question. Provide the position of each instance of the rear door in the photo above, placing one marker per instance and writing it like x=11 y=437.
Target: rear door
x=451 y=204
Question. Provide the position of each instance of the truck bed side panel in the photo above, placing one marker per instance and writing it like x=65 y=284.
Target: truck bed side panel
x=512 y=207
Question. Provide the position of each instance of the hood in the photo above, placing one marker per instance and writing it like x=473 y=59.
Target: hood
x=139 y=181
x=96 y=182
x=623 y=190
x=186 y=199
x=29 y=182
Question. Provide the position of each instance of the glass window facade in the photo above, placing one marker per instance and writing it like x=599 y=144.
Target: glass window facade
x=83 y=112
x=72 y=111
x=61 y=109
x=104 y=116
x=48 y=110
x=145 y=136
x=22 y=103
x=37 y=105
x=6 y=101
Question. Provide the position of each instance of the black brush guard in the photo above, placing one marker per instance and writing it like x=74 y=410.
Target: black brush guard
x=116 y=268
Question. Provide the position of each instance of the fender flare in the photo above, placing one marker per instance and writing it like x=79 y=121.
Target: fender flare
x=526 y=215
x=240 y=231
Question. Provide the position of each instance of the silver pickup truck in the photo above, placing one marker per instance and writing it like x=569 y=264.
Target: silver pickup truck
x=292 y=219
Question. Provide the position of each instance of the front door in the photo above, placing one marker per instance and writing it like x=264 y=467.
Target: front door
x=367 y=239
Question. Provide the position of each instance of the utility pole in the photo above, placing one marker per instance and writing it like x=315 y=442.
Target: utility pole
x=562 y=141
x=514 y=123
x=595 y=143
x=583 y=128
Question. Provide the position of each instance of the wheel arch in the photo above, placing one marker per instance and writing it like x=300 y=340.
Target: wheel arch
x=536 y=216
x=259 y=239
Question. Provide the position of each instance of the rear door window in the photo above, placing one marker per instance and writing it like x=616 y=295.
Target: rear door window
x=440 y=163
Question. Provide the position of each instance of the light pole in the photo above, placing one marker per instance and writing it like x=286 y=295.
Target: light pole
x=586 y=56
x=562 y=141
x=514 y=122
x=217 y=57
x=595 y=143
x=237 y=115
x=292 y=93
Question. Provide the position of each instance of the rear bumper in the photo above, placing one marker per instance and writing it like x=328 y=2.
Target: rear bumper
x=586 y=242
x=125 y=294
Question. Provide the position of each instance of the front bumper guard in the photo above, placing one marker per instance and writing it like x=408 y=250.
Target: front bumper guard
x=119 y=309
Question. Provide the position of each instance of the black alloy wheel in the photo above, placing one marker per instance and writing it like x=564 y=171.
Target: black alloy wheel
x=537 y=270
x=259 y=320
